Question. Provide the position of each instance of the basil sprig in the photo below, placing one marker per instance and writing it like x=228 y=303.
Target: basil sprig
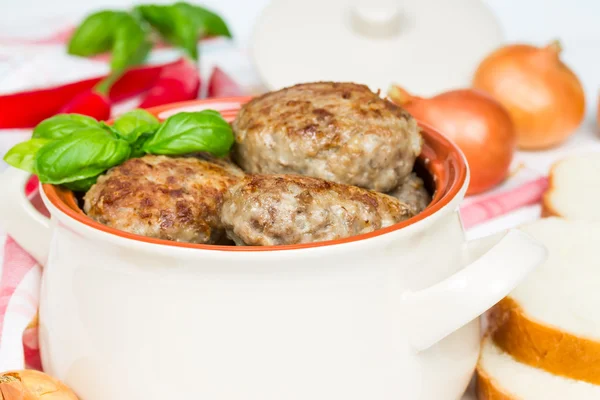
x=23 y=155
x=131 y=125
x=131 y=43
x=192 y=132
x=96 y=33
x=127 y=34
x=62 y=125
x=207 y=22
x=84 y=154
x=182 y=24
x=116 y=31
x=73 y=150
x=173 y=25
x=136 y=127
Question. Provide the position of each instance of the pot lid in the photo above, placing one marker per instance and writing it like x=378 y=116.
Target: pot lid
x=427 y=46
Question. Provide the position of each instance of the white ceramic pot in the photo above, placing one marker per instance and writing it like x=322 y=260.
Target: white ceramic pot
x=387 y=315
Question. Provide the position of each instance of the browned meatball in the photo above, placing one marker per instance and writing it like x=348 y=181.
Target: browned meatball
x=289 y=209
x=413 y=193
x=162 y=197
x=340 y=132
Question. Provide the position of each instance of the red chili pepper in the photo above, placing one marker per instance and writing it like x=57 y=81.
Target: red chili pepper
x=94 y=102
x=91 y=103
x=27 y=109
x=179 y=81
x=222 y=85
x=136 y=81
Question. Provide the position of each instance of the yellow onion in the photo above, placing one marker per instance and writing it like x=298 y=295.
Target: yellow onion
x=33 y=385
x=478 y=124
x=543 y=96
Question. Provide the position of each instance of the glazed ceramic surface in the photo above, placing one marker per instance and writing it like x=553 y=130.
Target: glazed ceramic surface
x=426 y=46
x=388 y=315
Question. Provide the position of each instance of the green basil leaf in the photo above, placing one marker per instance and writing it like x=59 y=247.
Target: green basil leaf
x=174 y=25
x=82 y=185
x=95 y=34
x=192 y=132
x=156 y=16
x=23 y=155
x=187 y=35
x=207 y=22
x=109 y=128
x=85 y=154
x=137 y=148
x=131 y=125
x=130 y=44
x=62 y=125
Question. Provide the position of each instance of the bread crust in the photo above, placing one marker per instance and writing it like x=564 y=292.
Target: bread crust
x=547 y=209
x=543 y=346
x=487 y=388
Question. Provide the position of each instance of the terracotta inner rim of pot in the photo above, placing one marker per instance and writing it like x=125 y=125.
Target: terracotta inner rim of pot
x=440 y=159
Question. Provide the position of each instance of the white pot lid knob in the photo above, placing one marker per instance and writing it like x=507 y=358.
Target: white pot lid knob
x=375 y=18
x=427 y=46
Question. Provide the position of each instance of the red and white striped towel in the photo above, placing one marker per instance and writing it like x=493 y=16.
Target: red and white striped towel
x=20 y=277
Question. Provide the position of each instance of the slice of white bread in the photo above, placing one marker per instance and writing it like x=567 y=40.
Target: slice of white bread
x=501 y=377
x=552 y=320
x=574 y=188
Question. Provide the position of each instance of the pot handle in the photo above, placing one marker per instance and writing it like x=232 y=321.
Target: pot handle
x=19 y=218
x=437 y=311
